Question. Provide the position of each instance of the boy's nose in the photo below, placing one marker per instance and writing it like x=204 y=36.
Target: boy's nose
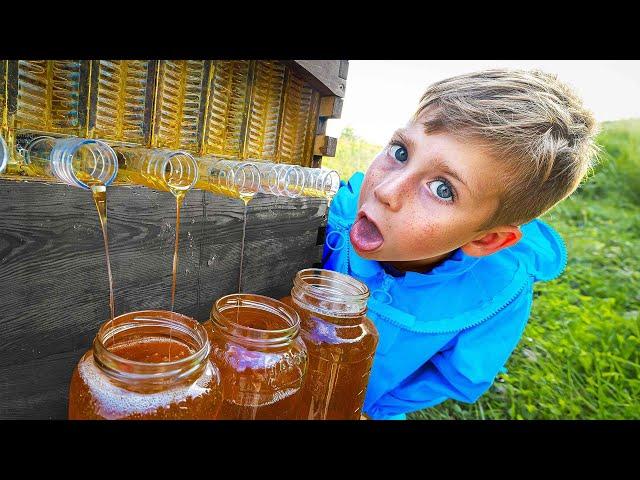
x=391 y=191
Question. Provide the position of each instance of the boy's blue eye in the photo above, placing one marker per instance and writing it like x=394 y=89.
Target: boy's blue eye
x=399 y=153
x=441 y=190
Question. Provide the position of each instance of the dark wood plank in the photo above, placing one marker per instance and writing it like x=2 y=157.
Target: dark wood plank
x=343 y=69
x=331 y=107
x=53 y=281
x=325 y=145
x=325 y=75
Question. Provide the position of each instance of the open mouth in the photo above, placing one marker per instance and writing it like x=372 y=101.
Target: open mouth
x=365 y=235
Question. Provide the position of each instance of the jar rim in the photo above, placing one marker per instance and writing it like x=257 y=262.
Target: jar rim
x=360 y=289
x=260 y=302
x=67 y=147
x=190 y=162
x=179 y=323
x=330 y=293
x=3 y=154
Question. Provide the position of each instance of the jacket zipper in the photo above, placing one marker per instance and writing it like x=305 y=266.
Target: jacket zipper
x=346 y=245
x=466 y=327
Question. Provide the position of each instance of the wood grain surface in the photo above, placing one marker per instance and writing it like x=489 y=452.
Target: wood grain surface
x=329 y=76
x=53 y=279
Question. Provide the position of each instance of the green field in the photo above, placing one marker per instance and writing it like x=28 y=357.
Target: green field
x=579 y=357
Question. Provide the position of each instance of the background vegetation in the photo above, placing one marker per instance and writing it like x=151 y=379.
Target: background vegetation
x=579 y=357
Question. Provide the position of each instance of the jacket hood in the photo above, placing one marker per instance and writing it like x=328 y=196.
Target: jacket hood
x=541 y=250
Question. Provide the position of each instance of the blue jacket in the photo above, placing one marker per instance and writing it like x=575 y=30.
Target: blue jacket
x=446 y=333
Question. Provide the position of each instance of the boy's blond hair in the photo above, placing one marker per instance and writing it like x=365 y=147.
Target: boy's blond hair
x=533 y=123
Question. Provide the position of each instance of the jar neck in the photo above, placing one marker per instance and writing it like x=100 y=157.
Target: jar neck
x=4 y=156
x=79 y=162
x=330 y=294
x=255 y=320
x=144 y=326
x=241 y=177
x=169 y=170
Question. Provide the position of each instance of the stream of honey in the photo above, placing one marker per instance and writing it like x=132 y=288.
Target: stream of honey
x=179 y=194
x=100 y=199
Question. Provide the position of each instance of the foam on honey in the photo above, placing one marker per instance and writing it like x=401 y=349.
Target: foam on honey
x=118 y=402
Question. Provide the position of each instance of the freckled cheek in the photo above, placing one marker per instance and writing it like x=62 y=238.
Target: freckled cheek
x=371 y=180
x=417 y=233
x=406 y=230
x=376 y=170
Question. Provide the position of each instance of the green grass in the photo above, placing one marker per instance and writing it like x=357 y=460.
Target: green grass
x=579 y=357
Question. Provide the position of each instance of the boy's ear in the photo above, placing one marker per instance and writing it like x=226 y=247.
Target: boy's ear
x=495 y=239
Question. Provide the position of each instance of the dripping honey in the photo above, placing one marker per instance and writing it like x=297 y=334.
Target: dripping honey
x=100 y=199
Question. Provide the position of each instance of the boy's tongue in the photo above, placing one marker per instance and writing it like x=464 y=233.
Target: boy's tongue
x=365 y=236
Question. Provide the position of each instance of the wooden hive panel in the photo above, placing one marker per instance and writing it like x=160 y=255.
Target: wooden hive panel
x=51 y=95
x=181 y=96
x=298 y=122
x=227 y=108
x=267 y=95
x=52 y=266
x=122 y=91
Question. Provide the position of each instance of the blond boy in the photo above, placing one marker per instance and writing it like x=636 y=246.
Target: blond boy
x=443 y=229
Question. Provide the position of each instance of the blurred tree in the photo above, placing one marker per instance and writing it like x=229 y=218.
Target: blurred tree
x=354 y=154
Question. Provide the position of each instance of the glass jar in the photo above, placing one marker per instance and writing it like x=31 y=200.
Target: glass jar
x=231 y=178
x=320 y=182
x=340 y=339
x=79 y=162
x=255 y=343
x=150 y=364
x=280 y=179
x=4 y=156
x=166 y=170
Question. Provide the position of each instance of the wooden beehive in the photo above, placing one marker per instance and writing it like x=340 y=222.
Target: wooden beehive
x=53 y=284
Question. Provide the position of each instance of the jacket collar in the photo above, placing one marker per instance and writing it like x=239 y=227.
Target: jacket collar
x=456 y=264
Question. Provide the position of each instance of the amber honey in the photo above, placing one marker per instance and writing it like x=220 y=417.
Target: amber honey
x=99 y=193
x=121 y=99
x=267 y=96
x=340 y=340
x=300 y=111
x=256 y=346
x=137 y=371
x=50 y=97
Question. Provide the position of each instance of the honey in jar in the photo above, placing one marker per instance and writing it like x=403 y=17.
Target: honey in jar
x=255 y=343
x=150 y=364
x=341 y=342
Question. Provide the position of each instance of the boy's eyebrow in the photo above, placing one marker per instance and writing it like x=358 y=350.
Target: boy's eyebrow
x=445 y=168
x=400 y=135
x=439 y=163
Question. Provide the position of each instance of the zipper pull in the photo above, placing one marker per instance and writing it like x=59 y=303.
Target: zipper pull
x=382 y=294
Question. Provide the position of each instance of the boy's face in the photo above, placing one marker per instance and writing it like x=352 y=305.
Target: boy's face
x=424 y=196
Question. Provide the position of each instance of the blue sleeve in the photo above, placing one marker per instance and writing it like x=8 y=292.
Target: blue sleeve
x=342 y=212
x=465 y=369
